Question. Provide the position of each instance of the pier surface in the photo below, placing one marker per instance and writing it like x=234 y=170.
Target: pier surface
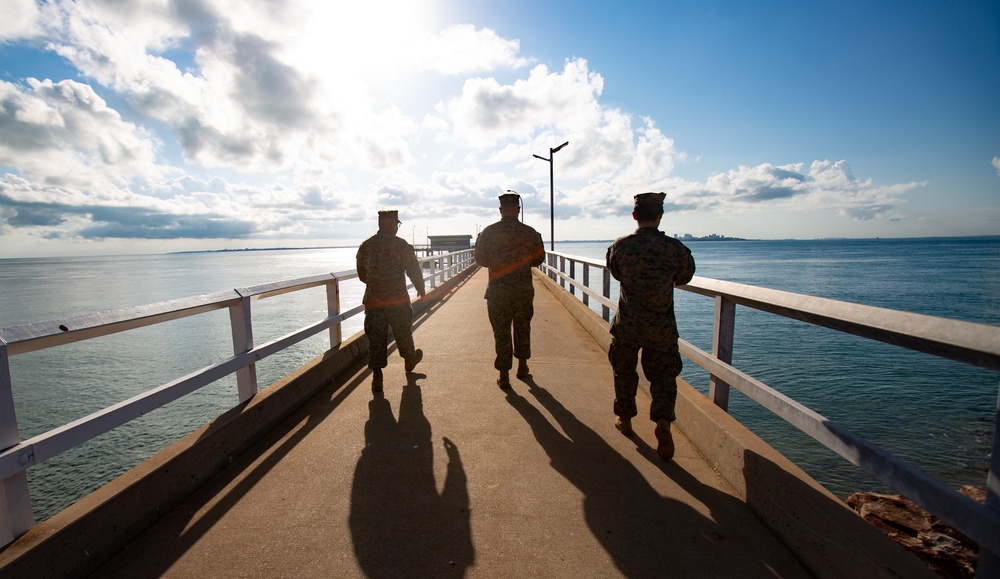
x=444 y=474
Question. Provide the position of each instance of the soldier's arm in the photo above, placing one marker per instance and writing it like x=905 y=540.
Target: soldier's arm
x=537 y=251
x=612 y=263
x=686 y=271
x=412 y=266
x=482 y=253
x=360 y=266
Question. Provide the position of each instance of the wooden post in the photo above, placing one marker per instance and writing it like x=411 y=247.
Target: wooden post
x=988 y=563
x=572 y=275
x=242 y=328
x=606 y=292
x=332 y=309
x=16 y=517
x=722 y=348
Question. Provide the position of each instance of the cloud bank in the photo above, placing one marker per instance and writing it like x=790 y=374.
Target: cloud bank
x=220 y=120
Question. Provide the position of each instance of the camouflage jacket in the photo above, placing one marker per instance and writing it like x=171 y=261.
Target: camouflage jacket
x=509 y=249
x=648 y=264
x=384 y=261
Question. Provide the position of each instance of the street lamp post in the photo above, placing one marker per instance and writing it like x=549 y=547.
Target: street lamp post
x=552 y=195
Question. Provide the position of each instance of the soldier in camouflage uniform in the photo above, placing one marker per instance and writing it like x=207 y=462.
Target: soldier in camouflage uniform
x=509 y=249
x=648 y=264
x=383 y=260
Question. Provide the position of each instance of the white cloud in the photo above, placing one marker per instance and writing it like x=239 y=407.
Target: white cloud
x=996 y=164
x=488 y=112
x=20 y=20
x=463 y=49
x=825 y=186
x=64 y=134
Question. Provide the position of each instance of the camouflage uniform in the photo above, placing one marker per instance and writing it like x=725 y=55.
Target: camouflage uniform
x=509 y=249
x=384 y=261
x=648 y=264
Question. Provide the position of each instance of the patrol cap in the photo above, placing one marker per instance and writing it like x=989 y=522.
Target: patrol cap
x=649 y=199
x=509 y=199
x=389 y=216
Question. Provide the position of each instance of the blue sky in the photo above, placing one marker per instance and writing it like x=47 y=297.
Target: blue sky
x=158 y=125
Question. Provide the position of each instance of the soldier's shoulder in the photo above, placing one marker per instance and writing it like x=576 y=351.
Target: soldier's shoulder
x=527 y=229
x=675 y=243
x=624 y=240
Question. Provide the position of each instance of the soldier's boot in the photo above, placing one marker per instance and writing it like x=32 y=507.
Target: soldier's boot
x=376 y=379
x=504 y=380
x=522 y=367
x=413 y=360
x=664 y=441
x=624 y=425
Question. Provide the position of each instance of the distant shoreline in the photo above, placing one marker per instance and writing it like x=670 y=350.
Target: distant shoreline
x=707 y=238
x=261 y=249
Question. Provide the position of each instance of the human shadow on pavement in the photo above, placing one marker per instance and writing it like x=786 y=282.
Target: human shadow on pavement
x=645 y=533
x=400 y=525
x=184 y=526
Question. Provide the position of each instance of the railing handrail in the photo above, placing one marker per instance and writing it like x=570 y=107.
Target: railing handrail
x=968 y=342
x=17 y=456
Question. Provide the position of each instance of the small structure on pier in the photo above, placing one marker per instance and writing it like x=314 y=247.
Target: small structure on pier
x=449 y=243
x=444 y=244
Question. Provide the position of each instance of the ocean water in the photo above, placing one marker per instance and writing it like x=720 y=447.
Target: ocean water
x=55 y=386
x=934 y=413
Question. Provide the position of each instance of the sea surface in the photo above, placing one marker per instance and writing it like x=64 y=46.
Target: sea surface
x=934 y=413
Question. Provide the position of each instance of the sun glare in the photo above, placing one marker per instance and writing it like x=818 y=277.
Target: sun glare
x=359 y=39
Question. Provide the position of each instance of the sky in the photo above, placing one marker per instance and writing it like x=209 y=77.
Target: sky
x=151 y=126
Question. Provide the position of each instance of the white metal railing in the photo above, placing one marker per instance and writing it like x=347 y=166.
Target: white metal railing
x=976 y=344
x=17 y=456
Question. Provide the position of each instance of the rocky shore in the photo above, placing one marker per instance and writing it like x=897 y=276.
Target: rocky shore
x=946 y=551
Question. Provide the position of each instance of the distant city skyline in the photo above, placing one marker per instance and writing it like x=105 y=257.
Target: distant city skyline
x=155 y=127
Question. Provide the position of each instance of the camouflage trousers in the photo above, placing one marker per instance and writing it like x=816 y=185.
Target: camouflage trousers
x=508 y=314
x=661 y=368
x=378 y=321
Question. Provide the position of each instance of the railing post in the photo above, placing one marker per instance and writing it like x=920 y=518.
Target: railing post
x=572 y=275
x=988 y=563
x=586 y=283
x=722 y=348
x=242 y=327
x=332 y=309
x=16 y=517
x=433 y=274
x=606 y=292
x=562 y=269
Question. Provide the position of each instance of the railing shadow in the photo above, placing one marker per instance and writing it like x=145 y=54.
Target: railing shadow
x=645 y=533
x=400 y=525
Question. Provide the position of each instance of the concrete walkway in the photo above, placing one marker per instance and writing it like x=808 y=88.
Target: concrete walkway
x=446 y=475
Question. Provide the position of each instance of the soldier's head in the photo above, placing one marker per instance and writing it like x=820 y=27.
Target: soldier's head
x=510 y=204
x=648 y=209
x=388 y=221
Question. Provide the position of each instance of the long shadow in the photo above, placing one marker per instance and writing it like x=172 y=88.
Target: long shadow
x=645 y=533
x=179 y=524
x=400 y=525
x=157 y=561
